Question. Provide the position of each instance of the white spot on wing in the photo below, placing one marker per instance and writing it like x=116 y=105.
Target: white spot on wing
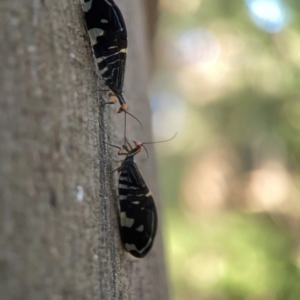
x=131 y=247
x=133 y=187
x=123 y=186
x=103 y=71
x=140 y=228
x=126 y=222
x=104 y=21
x=94 y=33
x=86 y=6
x=99 y=59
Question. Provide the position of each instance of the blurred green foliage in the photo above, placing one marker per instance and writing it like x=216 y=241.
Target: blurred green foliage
x=231 y=250
x=232 y=256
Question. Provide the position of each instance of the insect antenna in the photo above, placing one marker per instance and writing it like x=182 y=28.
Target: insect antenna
x=142 y=144
x=126 y=112
x=160 y=141
x=124 y=129
x=146 y=152
x=130 y=147
x=125 y=138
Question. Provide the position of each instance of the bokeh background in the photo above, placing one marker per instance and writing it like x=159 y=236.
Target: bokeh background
x=227 y=79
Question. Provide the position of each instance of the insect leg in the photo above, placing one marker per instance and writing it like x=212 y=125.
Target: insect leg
x=120 y=149
x=112 y=99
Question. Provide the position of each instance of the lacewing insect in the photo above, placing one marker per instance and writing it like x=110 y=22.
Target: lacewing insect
x=108 y=35
x=138 y=216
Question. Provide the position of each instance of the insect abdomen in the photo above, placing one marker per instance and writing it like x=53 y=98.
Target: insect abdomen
x=108 y=35
x=138 y=220
x=138 y=216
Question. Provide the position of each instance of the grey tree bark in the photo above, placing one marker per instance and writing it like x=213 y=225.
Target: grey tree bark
x=58 y=199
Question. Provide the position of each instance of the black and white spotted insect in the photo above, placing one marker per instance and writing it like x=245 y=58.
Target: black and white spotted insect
x=108 y=35
x=138 y=216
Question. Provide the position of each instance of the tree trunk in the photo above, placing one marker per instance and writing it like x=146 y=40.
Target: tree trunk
x=59 y=230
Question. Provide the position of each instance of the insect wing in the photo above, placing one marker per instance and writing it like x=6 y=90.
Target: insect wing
x=138 y=216
x=108 y=36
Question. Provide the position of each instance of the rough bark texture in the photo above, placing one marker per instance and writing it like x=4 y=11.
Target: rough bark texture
x=58 y=199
